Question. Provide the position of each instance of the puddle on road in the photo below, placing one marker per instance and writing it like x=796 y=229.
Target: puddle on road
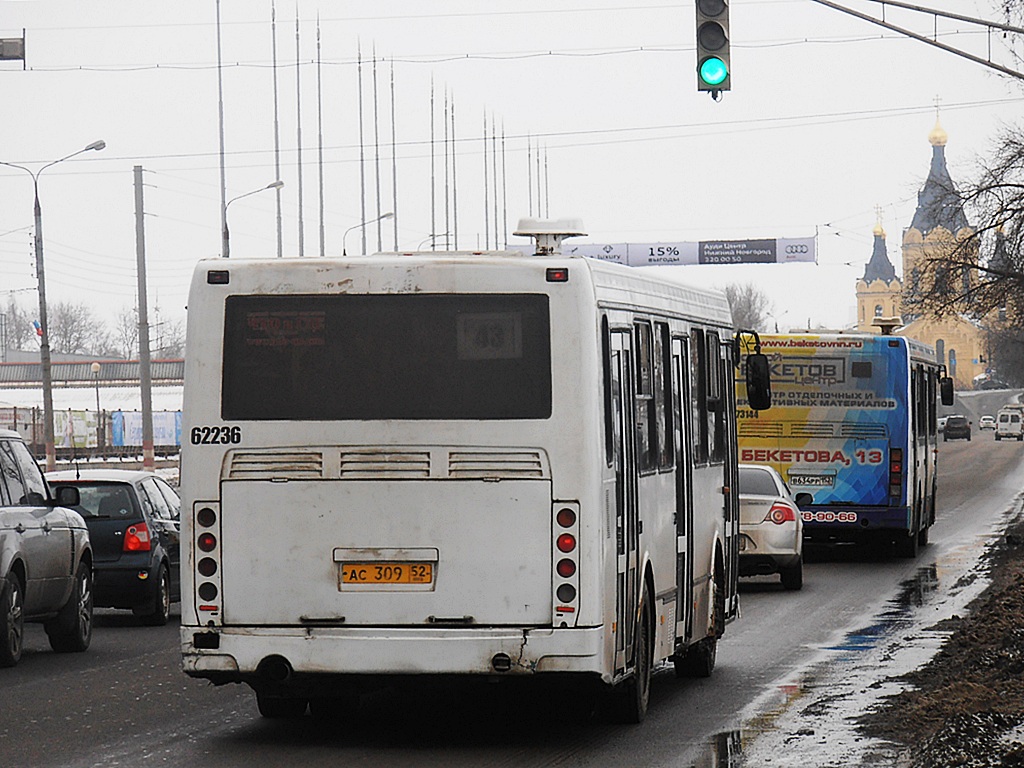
x=810 y=719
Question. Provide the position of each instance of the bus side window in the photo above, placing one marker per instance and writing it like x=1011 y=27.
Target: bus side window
x=698 y=395
x=922 y=395
x=646 y=407
x=716 y=410
x=663 y=397
x=932 y=408
x=606 y=375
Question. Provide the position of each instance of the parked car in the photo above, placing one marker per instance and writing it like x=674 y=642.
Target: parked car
x=987 y=421
x=771 y=531
x=134 y=520
x=1009 y=424
x=38 y=579
x=942 y=423
x=957 y=428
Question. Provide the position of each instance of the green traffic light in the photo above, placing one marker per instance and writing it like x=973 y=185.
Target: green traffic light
x=713 y=71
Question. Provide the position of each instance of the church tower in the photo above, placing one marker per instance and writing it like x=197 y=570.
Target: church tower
x=878 y=291
x=939 y=224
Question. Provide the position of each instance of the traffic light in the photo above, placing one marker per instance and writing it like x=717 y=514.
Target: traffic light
x=713 y=45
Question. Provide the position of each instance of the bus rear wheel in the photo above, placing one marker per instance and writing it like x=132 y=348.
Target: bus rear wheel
x=280 y=706
x=699 y=659
x=631 y=697
x=907 y=546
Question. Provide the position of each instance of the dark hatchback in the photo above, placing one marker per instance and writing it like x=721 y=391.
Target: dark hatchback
x=134 y=521
x=957 y=428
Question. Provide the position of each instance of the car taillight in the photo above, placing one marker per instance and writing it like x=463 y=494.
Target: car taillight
x=780 y=513
x=136 y=538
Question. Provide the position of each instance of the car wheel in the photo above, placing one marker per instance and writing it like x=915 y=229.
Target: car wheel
x=280 y=706
x=12 y=621
x=793 y=576
x=997 y=437
x=71 y=630
x=632 y=696
x=158 y=611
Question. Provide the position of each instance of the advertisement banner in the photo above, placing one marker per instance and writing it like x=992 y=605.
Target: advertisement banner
x=780 y=250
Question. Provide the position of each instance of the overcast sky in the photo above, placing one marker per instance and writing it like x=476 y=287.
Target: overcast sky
x=828 y=117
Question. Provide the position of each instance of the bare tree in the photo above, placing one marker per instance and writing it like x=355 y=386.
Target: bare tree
x=750 y=306
x=126 y=333
x=75 y=330
x=169 y=340
x=20 y=331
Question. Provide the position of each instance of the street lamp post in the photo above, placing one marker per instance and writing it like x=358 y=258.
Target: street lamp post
x=432 y=239
x=344 y=237
x=226 y=242
x=95 y=368
x=44 y=330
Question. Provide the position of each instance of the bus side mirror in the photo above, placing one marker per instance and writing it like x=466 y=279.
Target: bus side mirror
x=946 y=390
x=759 y=382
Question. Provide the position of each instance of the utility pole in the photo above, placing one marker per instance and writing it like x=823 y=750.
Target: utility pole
x=145 y=377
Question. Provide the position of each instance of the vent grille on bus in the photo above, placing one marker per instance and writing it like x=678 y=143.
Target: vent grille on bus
x=291 y=464
x=385 y=462
x=760 y=429
x=862 y=430
x=811 y=429
x=483 y=464
x=370 y=463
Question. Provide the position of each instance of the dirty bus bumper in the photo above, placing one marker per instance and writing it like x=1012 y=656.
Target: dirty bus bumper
x=296 y=656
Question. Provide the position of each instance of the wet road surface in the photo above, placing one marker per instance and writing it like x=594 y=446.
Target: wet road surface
x=788 y=671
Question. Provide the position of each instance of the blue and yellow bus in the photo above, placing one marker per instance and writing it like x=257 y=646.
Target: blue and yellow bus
x=853 y=430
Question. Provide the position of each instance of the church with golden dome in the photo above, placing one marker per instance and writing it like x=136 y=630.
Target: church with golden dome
x=939 y=223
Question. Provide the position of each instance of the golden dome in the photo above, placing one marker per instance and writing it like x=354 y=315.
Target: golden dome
x=938 y=137
x=879 y=232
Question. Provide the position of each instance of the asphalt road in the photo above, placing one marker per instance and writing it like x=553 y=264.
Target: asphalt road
x=126 y=703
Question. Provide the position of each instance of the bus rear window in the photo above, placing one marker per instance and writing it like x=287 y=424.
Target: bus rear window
x=377 y=357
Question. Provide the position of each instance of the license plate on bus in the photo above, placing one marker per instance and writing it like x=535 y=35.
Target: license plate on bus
x=387 y=573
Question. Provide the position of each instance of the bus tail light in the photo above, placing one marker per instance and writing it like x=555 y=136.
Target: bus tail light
x=207 y=569
x=780 y=513
x=895 y=472
x=565 y=579
x=136 y=538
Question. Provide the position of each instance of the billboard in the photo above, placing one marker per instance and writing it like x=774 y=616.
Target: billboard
x=778 y=250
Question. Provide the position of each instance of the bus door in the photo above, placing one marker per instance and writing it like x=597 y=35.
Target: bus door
x=683 y=424
x=731 y=480
x=627 y=532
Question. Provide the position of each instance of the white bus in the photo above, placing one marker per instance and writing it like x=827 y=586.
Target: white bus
x=465 y=464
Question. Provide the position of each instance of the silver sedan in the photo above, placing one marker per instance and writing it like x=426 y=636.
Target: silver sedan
x=771 y=532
